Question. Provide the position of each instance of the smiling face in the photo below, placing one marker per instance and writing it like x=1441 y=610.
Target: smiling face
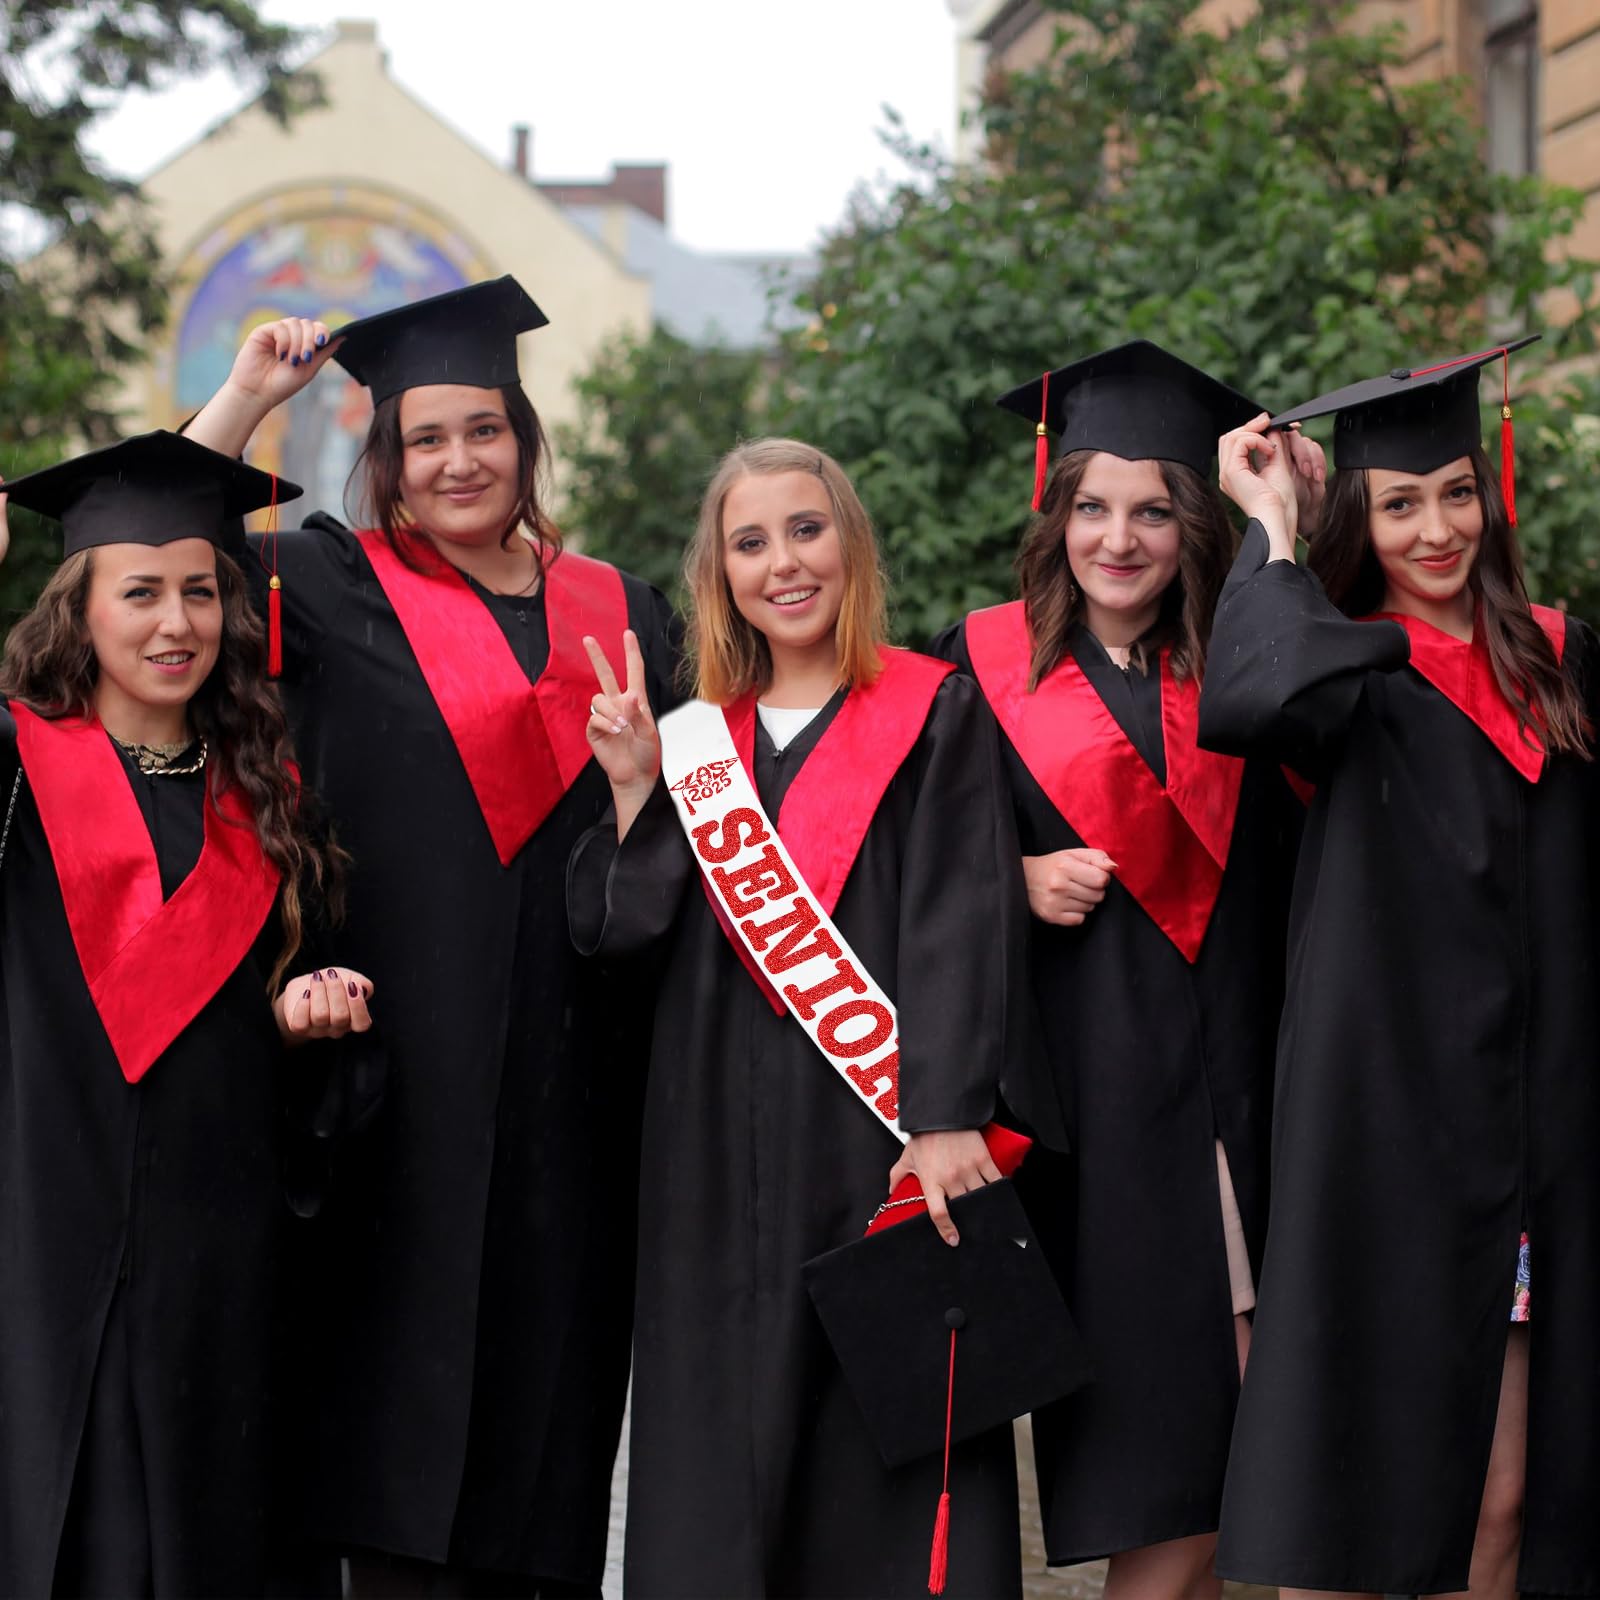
x=1426 y=530
x=782 y=556
x=1122 y=542
x=154 y=618
x=461 y=466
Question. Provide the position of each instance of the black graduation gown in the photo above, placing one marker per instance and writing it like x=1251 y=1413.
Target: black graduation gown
x=468 y=1308
x=1148 y=1060
x=139 y=1234
x=750 y=1470
x=1437 y=1092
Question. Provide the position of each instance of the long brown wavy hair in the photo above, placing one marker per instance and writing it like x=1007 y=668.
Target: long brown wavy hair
x=1546 y=699
x=727 y=656
x=50 y=666
x=383 y=456
x=1054 y=603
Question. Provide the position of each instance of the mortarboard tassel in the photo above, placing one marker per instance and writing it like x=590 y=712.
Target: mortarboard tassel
x=274 y=626
x=1508 y=445
x=939 y=1557
x=274 y=589
x=1041 y=447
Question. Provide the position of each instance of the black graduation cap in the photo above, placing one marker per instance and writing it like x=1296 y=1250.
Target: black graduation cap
x=153 y=489
x=1417 y=419
x=890 y=1301
x=1136 y=401
x=940 y=1344
x=464 y=336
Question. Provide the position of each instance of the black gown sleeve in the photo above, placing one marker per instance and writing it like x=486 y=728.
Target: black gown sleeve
x=961 y=977
x=1285 y=669
x=622 y=898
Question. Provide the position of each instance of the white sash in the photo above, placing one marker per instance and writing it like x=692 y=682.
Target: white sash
x=773 y=913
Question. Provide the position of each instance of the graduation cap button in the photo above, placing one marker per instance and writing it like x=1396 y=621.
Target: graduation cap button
x=955 y=1317
x=1400 y=374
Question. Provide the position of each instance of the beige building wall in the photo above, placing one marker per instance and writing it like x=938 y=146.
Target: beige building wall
x=376 y=154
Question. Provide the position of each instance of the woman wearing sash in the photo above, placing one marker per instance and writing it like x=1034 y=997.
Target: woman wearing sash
x=155 y=877
x=750 y=1470
x=475 y=1262
x=1417 y=1407
x=1158 y=879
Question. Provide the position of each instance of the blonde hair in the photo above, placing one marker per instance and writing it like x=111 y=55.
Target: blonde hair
x=727 y=656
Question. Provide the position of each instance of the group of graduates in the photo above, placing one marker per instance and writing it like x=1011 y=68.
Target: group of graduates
x=1261 y=897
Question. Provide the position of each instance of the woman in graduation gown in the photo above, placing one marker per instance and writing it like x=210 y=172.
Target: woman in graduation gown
x=750 y=1469
x=1158 y=879
x=152 y=860
x=474 y=1276
x=1438 y=1105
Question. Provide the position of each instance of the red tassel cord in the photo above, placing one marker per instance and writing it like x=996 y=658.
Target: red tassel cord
x=274 y=588
x=939 y=1557
x=1041 y=447
x=1508 y=449
x=274 y=626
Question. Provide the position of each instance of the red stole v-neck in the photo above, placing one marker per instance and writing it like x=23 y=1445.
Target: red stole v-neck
x=1462 y=672
x=151 y=965
x=832 y=800
x=1170 y=843
x=522 y=744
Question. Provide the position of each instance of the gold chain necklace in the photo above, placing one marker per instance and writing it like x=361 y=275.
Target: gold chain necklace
x=156 y=760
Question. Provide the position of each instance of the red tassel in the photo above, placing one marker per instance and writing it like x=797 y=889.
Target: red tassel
x=1041 y=446
x=939 y=1557
x=940 y=1560
x=274 y=588
x=275 y=626
x=1508 y=447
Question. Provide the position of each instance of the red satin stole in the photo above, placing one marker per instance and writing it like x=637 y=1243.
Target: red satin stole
x=522 y=744
x=1170 y=844
x=829 y=806
x=1462 y=672
x=151 y=965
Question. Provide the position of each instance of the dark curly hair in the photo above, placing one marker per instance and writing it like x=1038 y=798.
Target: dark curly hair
x=50 y=666
x=383 y=455
x=1053 y=602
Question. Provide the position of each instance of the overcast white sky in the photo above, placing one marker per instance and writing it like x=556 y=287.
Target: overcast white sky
x=766 y=110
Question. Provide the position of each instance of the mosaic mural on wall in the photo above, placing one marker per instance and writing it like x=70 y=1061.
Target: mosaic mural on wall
x=333 y=255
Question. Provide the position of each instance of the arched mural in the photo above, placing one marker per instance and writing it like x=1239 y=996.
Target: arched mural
x=335 y=254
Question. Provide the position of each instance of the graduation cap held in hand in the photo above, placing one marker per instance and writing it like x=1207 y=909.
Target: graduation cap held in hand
x=466 y=336
x=1418 y=419
x=900 y=1305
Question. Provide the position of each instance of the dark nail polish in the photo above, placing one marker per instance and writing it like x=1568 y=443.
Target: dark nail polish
x=352 y=988
x=282 y=354
x=306 y=995
x=294 y=361
x=322 y=339
x=317 y=975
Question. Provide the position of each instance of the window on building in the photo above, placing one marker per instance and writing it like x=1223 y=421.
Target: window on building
x=1511 y=84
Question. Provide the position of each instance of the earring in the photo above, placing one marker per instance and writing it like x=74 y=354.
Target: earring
x=1072 y=593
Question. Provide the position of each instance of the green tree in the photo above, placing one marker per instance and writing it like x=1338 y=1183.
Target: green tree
x=81 y=284
x=655 y=415
x=1268 y=202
